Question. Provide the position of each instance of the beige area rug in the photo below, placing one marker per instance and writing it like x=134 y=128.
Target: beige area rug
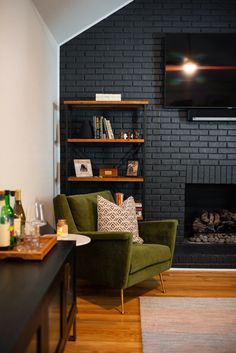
x=188 y=325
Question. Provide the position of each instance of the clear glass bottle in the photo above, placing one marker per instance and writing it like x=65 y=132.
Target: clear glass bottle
x=19 y=215
x=4 y=225
x=62 y=227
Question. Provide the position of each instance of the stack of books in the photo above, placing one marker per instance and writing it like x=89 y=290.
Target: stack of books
x=102 y=128
x=139 y=209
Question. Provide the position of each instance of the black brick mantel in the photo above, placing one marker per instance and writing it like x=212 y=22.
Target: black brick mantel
x=124 y=54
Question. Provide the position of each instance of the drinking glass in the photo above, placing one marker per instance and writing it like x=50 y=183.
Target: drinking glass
x=34 y=220
x=35 y=215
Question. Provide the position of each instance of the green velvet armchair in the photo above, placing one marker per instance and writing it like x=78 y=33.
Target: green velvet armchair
x=111 y=259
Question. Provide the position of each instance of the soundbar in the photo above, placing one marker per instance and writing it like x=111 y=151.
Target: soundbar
x=212 y=114
x=213 y=118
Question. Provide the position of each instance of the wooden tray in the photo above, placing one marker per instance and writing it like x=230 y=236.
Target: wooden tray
x=48 y=243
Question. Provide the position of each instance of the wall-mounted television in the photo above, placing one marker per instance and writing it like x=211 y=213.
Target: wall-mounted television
x=200 y=70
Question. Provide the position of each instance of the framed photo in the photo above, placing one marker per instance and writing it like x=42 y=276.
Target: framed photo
x=83 y=168
x=132 y=168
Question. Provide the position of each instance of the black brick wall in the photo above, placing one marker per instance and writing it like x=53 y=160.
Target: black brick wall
x=124 y=54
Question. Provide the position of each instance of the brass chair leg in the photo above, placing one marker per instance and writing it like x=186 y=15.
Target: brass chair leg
x=73 y=336
x=162 y=283
x=122 y=301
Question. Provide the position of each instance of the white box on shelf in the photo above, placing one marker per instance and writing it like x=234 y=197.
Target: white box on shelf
x=108 y=97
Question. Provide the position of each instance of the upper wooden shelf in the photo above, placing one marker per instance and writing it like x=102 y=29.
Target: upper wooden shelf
x=103 y=179
x=107 y=104
x=76 y=140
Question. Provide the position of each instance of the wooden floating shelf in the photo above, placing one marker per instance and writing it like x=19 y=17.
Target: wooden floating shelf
x=103 y=180
x=78 y=140
x=107 y=104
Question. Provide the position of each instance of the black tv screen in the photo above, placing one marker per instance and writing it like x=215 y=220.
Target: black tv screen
x=200 y=70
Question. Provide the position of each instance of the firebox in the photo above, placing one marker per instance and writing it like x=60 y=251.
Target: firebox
x=210 y=213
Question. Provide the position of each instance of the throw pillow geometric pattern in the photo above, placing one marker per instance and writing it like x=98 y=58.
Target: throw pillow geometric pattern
x=112 y=217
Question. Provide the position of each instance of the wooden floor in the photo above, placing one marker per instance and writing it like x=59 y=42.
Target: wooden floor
x=102 y=329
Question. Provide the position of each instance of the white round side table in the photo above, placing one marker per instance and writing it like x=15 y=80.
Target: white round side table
x=79 y=238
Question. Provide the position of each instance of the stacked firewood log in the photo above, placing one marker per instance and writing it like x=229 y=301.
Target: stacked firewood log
x=222 y=221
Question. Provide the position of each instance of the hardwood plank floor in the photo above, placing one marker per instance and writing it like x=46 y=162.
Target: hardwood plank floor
x=102 y=329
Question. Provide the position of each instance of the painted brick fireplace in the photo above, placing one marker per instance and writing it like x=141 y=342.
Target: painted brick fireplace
x=124 y=54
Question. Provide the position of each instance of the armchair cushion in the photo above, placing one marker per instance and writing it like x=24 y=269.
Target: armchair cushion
x=146 y=255
x=112 y=217
x=84 y=209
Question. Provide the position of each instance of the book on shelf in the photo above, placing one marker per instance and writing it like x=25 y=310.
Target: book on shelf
x=105 y=127
x=109 y=128
x=102 y=128
x=119 y=198
x=139 y=209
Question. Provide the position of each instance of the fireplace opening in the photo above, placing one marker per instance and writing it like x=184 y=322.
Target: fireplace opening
x=210 y=213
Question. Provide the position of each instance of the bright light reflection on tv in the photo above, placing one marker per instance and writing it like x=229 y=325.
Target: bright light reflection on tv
x=200 y=70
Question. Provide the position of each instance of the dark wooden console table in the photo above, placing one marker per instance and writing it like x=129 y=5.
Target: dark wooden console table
x=38 y=302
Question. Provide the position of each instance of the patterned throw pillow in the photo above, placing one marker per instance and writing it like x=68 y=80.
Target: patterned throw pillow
x=118 y=218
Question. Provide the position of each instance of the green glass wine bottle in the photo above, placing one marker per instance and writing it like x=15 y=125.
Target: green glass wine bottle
x=4 y=226
x=7 y=211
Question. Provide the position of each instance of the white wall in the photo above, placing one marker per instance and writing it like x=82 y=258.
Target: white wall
x=68 y=18
x=29 y=87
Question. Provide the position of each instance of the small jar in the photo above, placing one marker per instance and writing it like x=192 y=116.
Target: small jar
x=62 y=227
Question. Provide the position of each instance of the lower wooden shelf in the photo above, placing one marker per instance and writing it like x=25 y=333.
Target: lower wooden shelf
x=103 y=180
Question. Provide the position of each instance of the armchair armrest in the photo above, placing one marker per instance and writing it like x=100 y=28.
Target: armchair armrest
x=106 y=259
x=159 y=232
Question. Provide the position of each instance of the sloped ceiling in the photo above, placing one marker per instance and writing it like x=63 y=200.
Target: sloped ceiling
x=67 y=18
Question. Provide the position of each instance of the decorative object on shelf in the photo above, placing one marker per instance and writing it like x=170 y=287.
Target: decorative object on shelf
x=132 y=168
x=129 y=135
x=108 y=172
x=86 y=130
x=83 y=168
x=119 y=198
x=121 y=135
x=108 y=97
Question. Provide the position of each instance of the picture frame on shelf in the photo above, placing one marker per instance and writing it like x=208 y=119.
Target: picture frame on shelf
x=132 y=168
x=83 y=168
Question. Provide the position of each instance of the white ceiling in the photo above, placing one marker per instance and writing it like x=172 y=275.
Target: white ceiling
x=67 y=18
